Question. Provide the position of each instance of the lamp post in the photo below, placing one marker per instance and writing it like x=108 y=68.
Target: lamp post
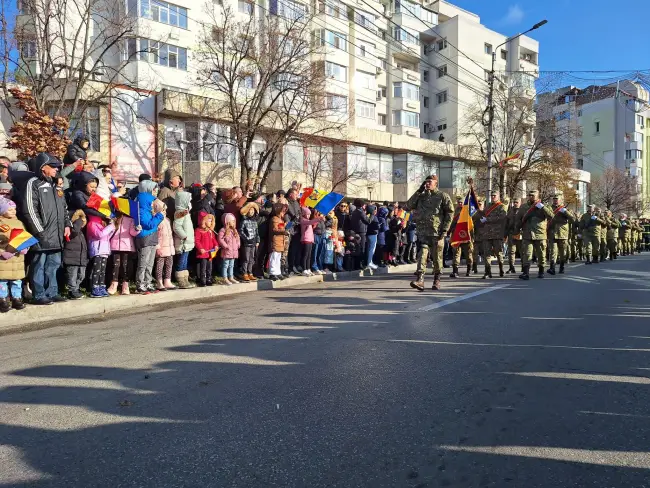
x=490 y=107
x=182 y=145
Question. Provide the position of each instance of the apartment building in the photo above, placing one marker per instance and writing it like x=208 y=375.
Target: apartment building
x=405 y=74
x=604 y=126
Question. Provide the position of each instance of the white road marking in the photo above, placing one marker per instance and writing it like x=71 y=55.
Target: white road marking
x=450 y=301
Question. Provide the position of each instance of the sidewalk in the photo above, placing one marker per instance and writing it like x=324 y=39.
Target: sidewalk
x=88 y=307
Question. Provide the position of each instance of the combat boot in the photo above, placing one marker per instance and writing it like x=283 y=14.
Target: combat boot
x=418 y=283
x=469 y=270
x=436 y=282
x=595 y=260
x=511 y=270
x=454 y=273
x=561 y=267
x=501 y=273
x=588 y=261
x=551 y=270
x=487 y=274
x=540 y=273
x=524 y=274
x=474 y=268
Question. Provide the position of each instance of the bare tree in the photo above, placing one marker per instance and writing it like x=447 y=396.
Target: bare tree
x=615 y=190
x=557 y=175
x=267 y=84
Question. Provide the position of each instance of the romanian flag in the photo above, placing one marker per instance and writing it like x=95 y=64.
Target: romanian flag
x=311 y=197
x=213 y=253
x=20 y=239
x=125 y=206
x=509 y=158
x=465 y=224
x=99 y=204
x=328 y=202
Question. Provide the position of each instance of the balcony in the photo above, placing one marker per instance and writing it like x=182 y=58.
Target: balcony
x=366 y=23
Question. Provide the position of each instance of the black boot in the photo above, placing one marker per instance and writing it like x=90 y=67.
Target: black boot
x=551 y=270
x=588 y=261
x=501 y=273
x=561 y=267
x=418 y=283
x=524 y=275
x=487 y=274
x=595 y=260
x=17 y=303
x=511 y=270
x=540 y=273
x=454 y=273
x=436 y=281
x=469 y=270
x=5 y=305
x=475 y=268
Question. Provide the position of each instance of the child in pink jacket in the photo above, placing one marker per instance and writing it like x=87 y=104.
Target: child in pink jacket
x=99 y=234
x=165 y=256
x=307 y=238
x=122 y=248
x=229 y=248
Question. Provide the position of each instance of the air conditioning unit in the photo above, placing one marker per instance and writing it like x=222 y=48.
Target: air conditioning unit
x=431 y=129
x=411 y=105
x=378 y=69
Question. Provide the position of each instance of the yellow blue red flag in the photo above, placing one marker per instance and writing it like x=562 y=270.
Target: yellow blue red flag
x=465 y=224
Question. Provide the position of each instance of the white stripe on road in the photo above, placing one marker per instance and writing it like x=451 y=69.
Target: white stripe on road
x=450 y=301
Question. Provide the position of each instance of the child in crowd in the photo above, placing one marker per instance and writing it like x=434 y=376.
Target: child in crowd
x=165 y=256
x=183 y=236
x=411 y=242
x=229 y=243
x=205 y=242
x=99 y=249
x=150 y=216
x=318 y=251
x=12 y=264
x=122 y=247
x=277 y=235
x=339 y=251
x=307 y=225
x=75 y=255
x=352 y=251
x=250 y=239
x=382 y=250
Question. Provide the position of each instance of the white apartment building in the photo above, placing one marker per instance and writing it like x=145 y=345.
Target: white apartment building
x=405 y=72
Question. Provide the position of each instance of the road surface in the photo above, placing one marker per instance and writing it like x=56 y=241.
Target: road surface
x=352 y=384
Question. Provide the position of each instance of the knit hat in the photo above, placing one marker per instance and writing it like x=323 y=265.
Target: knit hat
x=247 y=208
x=6 y=204
x=144 y=177
x=147 y=186
x=228 y=217
x=370 y=209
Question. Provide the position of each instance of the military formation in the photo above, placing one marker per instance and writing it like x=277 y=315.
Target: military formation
x=538 y=233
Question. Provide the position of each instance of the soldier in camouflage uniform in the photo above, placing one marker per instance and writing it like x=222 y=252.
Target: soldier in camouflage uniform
x=624 y=233
x=465 y=248
x=478 y=234
x=494 y=225
x=612 y=235
x=590 y=230
x=559 y=226
x=636 y=232
x=646 y=234
x=514 y=239
x=603 y=235
x=531 y=222
x=433 y=212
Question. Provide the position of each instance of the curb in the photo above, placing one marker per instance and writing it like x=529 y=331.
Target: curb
x=79 y=309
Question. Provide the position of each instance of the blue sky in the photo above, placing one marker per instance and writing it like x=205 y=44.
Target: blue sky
x=580 y=34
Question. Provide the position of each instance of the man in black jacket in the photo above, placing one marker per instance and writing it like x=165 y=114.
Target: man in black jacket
x=359 y=224
x=295 y=248
x=45 y=216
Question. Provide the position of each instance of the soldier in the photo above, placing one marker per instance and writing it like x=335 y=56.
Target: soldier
x=433 y=213
x=578 y=243
x=559 y=227
x=638 y=230
x=514 y=238
x=465 y=248
x=590 y=230
x=603 y=235
x=531 y=222
x=646 y=234
x=612 y=235
x=624 y=233
x=478 y=235
x=494 y=224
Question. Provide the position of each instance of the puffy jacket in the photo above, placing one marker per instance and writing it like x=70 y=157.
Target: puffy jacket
x=75 y=252
x=359 y=221
x=75 y=151
x=167 y=194
x=45 y=213
x=148 y=220
x=182 y=227
x=205 y=239
x=165 y=245
x=383 y=226
x=12 y=268
x=78 y=198
x=249 y=231
x=307 y=227
x=228 y=241
x=122 y=239
x=99 y=237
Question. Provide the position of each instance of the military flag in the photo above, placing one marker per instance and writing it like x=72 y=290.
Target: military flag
x=465 y=224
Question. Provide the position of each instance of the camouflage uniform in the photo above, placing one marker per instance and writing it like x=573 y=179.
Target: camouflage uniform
x=493 y=233
x=624 y=233
x=466 y=248
x=514 y=238
x=432 y=212
x=603 y=237
x=637 y=231
x=531 y=221
x=479 y=231
x=590 y=230
x=559 y=229
x=613 y=226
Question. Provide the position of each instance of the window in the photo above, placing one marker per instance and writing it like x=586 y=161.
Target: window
x=163 y=54
x=365 y=80
x=87 y=124
x=334 y=39
x=580 y=113
x=381 y=119
x=245 y=7
x=365 y=109
x=130 y=49
x=290 y=9
x=28 y=49
x=425 y=102
x=381 y=93
x=334 y=8
x=406 y=118
x=442 y=71
x=383 y=63
x=337 y=103
x=639 y=119
x=504 y=54
x=426 y=127
x=633 y=154
x=365 y=49
x=406 y=90
x=441 y=97
x=207 y=141
x=249 y=81
x=425 y=75
x=488 y=48
x=580 y=164
x=164 y=12
x=441 y=125
x=597 y=127
x=401 y=34
x=365 y=20
x=336 y=71
x=442 y=44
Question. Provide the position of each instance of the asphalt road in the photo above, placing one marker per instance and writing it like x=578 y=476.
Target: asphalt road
x=355 y=384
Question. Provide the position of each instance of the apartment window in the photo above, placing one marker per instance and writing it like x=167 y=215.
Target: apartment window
x=406 y=118
x=580 y=164
x=442 y=44
x=164 y=12
x=639 y=119
x=597 y=127
x=365 y=49
x=337 y=103
x=383 y=63
x=365 y=20
x=425 y=75
x=28 y=49
x=441 y=125
x=245 y=7
x=426 y=127
x=163 y=54
x=334 y=39
x=442 y=71
x=406 y=90
x=365 y=109
x=487 y=74
x=504 y=54
x=365 y=80
x=335 y=8
x=289 y=9
x=249 y=81
x=336 y=71
x=633 y=154
x=87 y=124
x=441 y=97
x=381 y=93
x=401 y=34
x=425 y=102
x=381 y=119
x=488 y=48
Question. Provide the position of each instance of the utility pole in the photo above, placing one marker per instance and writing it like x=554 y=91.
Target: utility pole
x=490 y=108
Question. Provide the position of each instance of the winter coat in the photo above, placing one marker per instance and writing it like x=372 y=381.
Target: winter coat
x=263 y=221
x=307 y=227
x=122 y=238
x=99 y=237
x=359 y=221
x=75 y=252
x=590 y=227
x=183 y=228
x=249 y=231
x=167 y=194
x=229 y=244
x=165 y=247
x=319 y=228
x=75 y=151
x=373 y=227
x=235 y=208
x=531 y=222
x=433 y=212
x=205 y=239
x=344 y=223
x=148 y=220
x=78 y=198
x=293 y=215
x=561 y=222
x=12 y=268
x=276 y=232
x=383 y=226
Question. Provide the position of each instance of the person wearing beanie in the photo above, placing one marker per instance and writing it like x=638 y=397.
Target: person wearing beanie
x=12 y=263
x=183 y=237
x=371 y=236
x=150 y=215
x=229 y=244
x=250 y=239
x=206 y=245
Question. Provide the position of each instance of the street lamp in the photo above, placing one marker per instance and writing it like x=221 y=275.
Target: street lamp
x=490 y=107
x=182 y=145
